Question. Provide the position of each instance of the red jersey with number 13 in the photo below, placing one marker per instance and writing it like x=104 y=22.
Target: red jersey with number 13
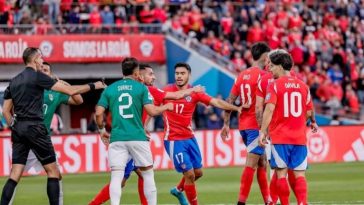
x=245 y=86
x=178 y=123
x=292 y=100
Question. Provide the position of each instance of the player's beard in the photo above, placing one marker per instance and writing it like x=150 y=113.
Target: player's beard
x=183 y=83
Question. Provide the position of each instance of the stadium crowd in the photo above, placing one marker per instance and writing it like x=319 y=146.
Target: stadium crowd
x=324 y=39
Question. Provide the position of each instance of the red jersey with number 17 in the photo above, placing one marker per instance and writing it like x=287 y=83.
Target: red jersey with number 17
x=178 y=123
x=292 y=100
x=245 y=86
x=158 y=96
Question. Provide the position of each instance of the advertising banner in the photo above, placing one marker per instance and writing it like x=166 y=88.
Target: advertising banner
x=84 y=48
x=86 y=153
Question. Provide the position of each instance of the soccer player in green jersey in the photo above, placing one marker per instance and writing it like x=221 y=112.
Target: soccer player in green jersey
x=51 y=100
x=126 y=99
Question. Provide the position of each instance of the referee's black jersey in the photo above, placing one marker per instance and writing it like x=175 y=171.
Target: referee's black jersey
x=26 y=90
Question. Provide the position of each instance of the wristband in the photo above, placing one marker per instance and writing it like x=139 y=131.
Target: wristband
x=92 y=86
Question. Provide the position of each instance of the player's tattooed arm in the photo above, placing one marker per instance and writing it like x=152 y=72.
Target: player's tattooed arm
x=183 y=93
x=231 y=99
x=259 y=104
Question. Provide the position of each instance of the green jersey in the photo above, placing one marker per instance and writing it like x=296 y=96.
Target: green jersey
x=52 y=99
x=125 y=100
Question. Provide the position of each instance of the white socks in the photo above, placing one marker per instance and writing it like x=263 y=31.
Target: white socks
x=150 y=190
x=115 y=186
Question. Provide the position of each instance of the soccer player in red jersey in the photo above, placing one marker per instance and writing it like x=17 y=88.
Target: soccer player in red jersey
x=245 y=86
x=147 y=77
x=259 y=107
x=288 y=103
x=180 y=143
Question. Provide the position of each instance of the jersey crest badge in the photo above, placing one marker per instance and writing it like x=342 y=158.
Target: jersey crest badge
x=188 y=98
x=50 y=97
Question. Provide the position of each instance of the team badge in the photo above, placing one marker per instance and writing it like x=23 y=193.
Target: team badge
x=188 y=98
x=267 y=97
x=51 y=97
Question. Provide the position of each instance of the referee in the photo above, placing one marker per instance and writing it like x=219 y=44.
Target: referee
x=25 y=93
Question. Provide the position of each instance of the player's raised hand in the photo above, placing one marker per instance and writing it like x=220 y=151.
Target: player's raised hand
x=105 y=138
x=240 y=109
x=314 y=127
x=262 y=139
x=199 y=88
x=100 y=85
x=169 y=106
x=225 y=133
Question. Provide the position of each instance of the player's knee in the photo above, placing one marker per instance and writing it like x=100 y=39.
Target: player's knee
x=189 y=176
x=262 y=162
x=198 y=174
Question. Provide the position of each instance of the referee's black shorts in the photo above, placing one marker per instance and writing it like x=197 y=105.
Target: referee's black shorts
x=30 y=135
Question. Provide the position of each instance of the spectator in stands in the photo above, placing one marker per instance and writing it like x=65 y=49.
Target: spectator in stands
x=53 y=10
x=95 y=20
x=213 y=122
x=353 y=105
x=361 y=85
x=107 y=19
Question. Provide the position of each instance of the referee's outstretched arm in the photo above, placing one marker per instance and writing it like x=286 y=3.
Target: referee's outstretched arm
x=77 y=89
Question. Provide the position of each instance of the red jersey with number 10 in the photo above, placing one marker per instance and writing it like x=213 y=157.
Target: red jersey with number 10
x=178 y=123
x=292 y=100
x=245 y=86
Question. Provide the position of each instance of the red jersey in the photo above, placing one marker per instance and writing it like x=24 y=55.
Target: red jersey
x=245 y=86
x=158 y=96
x=178 y=123
x=292 y=100
x=264 y=82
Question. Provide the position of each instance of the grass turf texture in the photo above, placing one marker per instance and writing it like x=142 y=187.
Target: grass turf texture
x=328 y=184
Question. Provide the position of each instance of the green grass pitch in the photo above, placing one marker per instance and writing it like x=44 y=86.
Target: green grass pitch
x=328 y=184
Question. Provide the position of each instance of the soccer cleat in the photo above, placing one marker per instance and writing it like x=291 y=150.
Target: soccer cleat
x=179 y=195
x=240 y=203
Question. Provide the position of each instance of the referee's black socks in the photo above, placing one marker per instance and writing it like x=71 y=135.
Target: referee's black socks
x=8 y=191
x=53 y=191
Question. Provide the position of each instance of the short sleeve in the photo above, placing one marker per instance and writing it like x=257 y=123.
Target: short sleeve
x=45 y=81
x=204 y=98
x=7 y=94
x=146 y=96
x=235 y=90
x=259 y=91
x=271 y=96
x=63 y=98
x=309 y=102
x=157 y=94
x=103 y=101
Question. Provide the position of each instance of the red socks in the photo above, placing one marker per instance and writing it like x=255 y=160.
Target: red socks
x=181 y=185
x=191 y=193
x=102 y=196
x=301 y=190
x=292 y=181
x=273 y=188
x=246 y=183
x=142 y=198
x=263 y=183
x=283 y=191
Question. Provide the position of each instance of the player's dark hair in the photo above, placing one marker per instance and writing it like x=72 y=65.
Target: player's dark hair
x=283 y=59
x=29 y=53
x=143 y=66
x=258 y=49
x=128 y=65
x=185 y=65
x=48 y=64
